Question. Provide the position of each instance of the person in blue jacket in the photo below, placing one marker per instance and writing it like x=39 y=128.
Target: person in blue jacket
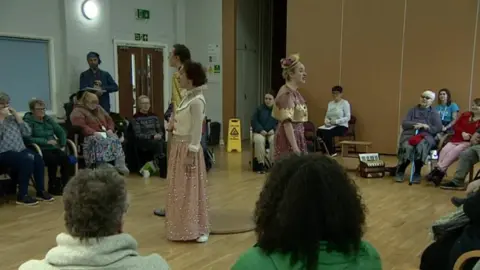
x=98 y=79
x=263 y=128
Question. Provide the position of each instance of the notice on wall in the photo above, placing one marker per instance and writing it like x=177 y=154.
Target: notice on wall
x=214 y=63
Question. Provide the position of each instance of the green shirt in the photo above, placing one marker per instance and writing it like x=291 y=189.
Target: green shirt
x=366 y=259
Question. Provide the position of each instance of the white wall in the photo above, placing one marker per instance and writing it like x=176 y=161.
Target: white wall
x=203 y=24
x=74 y=36
x=37 y=18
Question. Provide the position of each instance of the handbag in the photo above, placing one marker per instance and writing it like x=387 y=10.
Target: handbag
x=453 y=221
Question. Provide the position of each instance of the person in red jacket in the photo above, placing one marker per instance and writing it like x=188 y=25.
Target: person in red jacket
x=101 y=145
x=464 y=127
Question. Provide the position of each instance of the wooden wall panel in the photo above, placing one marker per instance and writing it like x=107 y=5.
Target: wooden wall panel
x=382 y=80
x=371 y=60
x=438 y=49
x=475 y=88
x=313 y=30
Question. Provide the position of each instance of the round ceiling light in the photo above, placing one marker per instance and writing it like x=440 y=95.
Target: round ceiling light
x=89 y=9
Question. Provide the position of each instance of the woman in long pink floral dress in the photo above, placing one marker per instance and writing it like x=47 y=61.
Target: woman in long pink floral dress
x=187 y=211
x=290 y=110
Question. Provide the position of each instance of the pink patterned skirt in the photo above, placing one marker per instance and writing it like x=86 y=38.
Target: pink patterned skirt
x=187 y=207
x=282 y=145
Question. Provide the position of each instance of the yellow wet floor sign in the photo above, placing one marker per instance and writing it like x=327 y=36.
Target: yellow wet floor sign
x=234 y=142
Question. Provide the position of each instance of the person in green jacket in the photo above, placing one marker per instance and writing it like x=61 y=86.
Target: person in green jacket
x=51 y=139
x=309 y=216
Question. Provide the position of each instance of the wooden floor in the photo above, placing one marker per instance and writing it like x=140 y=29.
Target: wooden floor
x=399 y=219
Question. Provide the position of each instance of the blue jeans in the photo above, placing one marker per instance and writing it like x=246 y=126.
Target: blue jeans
x=23 y=164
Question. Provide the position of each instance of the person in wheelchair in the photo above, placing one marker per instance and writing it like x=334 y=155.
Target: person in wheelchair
x=263 y=127
x=101 y=145
x=16 y=156
x=51 y=138
x=148 y=129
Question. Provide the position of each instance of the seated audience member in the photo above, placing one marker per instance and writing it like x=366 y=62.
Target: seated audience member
x=263 y=127
x=95 y=205
x=148 y=129
x=336 y=119
x=101 y=144
x=14 y=155
x=472 y=188
x=467 y=159
x=448 y=111
x=51 y=138
x=448 y=247
x=420 y=126
x=463 y=129
x=291 y=234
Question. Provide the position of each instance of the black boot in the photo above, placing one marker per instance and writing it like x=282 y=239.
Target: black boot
x=418 y=167
x=438 y=177
x=55 y=186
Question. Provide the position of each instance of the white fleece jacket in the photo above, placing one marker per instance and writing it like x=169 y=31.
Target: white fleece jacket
x=117 y=252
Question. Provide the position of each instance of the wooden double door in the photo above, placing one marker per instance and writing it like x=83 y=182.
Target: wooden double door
x=140 y=72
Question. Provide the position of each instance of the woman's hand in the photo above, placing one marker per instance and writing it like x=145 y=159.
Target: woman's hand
x=466 y=136
x=98 y=135
x=327 y=122
x=110 y=133
x=473 y=186
x=418 y=126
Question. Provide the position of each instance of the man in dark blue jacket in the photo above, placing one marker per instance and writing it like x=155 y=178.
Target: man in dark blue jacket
x=263 y=127
x=95 y=78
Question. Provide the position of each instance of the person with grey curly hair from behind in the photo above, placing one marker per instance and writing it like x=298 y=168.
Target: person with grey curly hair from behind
x=95 y=204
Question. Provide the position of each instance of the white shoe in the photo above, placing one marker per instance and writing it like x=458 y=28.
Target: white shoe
x=202 y=239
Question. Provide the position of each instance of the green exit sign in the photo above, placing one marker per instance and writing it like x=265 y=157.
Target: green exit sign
x=143 y=14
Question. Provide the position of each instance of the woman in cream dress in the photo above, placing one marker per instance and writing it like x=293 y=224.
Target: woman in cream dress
x=186 y=211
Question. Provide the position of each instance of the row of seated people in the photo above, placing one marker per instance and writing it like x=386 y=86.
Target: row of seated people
x=329 y=236
x=424 y=129
x=456 y=236
x=263 y=125
x=100 y=145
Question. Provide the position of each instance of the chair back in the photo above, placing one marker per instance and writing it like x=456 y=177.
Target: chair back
x=351 y=125
x=310 y=130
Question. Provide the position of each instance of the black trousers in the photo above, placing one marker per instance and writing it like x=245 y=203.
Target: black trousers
x=328 y=135
x=155 y=147
x=53 y=159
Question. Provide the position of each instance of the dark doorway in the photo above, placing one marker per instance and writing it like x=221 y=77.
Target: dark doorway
x=279 y=42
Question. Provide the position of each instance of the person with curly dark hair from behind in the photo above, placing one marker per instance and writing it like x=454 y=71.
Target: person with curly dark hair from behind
x=310 y=215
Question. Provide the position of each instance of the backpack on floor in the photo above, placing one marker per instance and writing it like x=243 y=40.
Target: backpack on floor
x=214 y=138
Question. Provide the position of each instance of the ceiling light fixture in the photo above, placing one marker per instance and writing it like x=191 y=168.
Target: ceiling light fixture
x=90 y=9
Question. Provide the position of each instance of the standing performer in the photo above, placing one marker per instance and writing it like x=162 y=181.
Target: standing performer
x=290 y=109
x=186 y=212
x=179 y=55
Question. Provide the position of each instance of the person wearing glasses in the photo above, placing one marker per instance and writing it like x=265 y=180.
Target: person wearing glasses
x=51 y=138
x=420 y=126
x=14 y=155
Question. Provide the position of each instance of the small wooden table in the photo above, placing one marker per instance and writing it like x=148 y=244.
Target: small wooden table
x=345 y=144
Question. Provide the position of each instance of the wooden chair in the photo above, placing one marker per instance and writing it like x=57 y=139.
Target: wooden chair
x=70 y=149
x=350 y=135
x=268 y=148
x=464 y=258
x=313 y=141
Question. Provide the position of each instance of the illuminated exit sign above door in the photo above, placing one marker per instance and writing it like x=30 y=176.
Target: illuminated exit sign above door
x=143 y=14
